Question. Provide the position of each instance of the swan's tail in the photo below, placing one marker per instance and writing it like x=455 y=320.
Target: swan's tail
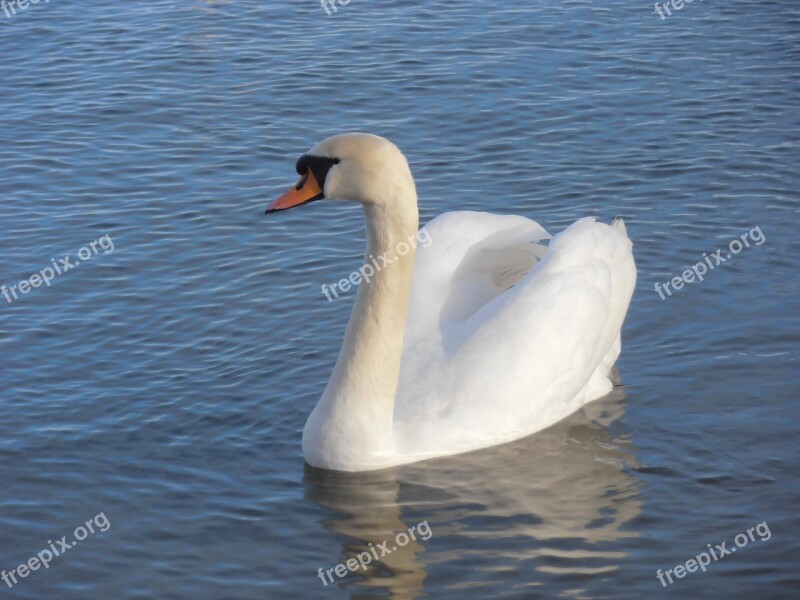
x=600 y=383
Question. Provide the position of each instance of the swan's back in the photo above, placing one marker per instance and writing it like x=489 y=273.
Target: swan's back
x=506 y=336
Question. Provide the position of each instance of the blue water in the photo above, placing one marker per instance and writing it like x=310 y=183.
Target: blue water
x=165 y=383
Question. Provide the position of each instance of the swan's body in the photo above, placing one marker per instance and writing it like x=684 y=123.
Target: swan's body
x=485 y=336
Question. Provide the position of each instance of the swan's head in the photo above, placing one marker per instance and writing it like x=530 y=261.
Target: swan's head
x=358 y=167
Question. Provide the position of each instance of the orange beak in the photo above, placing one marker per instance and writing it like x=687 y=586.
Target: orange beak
x=307 y=190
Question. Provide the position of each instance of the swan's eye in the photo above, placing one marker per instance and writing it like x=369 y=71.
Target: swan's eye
x=319 y=165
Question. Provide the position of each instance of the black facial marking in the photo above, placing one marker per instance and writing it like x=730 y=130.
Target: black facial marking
x=319 y=165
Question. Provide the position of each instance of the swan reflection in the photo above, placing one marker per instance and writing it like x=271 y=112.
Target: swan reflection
x=553 y=505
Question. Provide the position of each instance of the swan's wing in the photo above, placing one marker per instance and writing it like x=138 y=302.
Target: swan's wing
x=469 y=259
x=525 y=358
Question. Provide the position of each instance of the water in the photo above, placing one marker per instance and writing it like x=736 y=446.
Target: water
x=165 y=384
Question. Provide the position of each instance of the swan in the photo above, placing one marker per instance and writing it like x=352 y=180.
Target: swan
x=491 y=332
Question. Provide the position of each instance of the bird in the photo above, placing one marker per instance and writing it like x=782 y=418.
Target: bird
x=476 y=330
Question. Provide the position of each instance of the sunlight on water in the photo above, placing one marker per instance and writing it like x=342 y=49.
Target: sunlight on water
x=166 y=384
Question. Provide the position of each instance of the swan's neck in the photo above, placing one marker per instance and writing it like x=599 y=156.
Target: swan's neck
x=351 y=426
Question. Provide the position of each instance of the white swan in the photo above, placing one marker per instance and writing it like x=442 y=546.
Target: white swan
x=485 y=336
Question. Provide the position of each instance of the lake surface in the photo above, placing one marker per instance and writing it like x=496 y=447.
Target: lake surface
x=165 y=383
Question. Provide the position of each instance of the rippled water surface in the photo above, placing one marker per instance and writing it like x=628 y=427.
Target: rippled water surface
x=165 y=383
